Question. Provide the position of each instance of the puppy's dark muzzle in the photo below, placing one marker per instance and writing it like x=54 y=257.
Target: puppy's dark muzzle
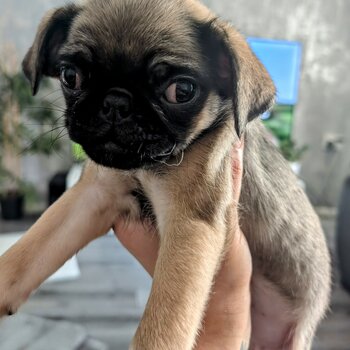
x=116 y=106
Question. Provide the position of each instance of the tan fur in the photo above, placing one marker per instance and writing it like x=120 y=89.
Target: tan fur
x=192 y=227
x=255 y=84
x=51 y=241
x=194 y=209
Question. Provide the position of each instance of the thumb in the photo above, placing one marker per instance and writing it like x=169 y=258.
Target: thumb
x=237 y=168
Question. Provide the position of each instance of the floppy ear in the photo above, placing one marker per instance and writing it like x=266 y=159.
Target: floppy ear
x=239 y=75
x=52 y=33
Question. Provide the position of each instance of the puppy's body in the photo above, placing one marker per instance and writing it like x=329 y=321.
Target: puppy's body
x=281 y=226
x=119 y=61
x=290 y=284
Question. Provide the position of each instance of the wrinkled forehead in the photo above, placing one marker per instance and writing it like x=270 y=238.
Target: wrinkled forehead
x=136 y=29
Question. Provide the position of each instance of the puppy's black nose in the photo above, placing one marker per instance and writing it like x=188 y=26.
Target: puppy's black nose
x=116 y=105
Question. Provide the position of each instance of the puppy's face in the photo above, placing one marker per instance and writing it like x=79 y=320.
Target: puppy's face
x=142 y=79
x=135 y=81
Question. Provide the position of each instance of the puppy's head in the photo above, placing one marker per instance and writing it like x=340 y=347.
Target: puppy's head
x=143 y=79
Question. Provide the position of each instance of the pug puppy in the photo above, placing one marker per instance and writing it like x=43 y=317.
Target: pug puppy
x=159 y=91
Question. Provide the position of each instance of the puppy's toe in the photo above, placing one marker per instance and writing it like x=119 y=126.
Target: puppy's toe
x=6 y=310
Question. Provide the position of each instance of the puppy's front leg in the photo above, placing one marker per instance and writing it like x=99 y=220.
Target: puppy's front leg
x=82 y=214
x=189 y=256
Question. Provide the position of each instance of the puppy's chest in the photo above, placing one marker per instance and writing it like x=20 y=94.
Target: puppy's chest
x=154 y=198
x=146 y=210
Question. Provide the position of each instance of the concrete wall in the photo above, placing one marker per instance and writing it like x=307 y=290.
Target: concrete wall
x=321 y=115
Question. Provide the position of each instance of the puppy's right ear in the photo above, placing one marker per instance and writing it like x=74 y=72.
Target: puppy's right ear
x=239 y=75
x=53 y=31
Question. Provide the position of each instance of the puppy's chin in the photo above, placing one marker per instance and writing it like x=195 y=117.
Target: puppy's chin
x=114 y=156
x=125 y=151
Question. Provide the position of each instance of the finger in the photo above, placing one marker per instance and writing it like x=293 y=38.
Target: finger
x=141 y=240
x=236 y=269
x=228 y=313
x=237 y=168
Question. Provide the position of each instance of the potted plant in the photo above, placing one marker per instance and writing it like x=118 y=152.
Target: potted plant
x=280 y=122
x=11 y=200
x=23 y=126
x=292 y=153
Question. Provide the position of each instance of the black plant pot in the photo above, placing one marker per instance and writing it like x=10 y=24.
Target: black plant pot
x=12 y=207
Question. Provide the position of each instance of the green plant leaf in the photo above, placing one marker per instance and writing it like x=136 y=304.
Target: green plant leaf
x=33 y=132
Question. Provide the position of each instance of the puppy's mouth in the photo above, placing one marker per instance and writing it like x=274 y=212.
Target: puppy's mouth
x=125 y=149
x=112 y=155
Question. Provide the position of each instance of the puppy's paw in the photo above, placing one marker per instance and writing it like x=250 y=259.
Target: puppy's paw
x=12 y=292
x=6 y=310
x=7 y=307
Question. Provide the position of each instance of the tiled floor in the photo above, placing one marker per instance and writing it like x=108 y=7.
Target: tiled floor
x=108 y=299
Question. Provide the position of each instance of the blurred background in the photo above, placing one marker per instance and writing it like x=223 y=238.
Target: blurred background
x=305 y=45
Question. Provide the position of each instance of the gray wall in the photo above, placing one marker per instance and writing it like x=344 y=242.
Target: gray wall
x=322 y=26
x=19 y=19
x=18 y=23
x=322 y=114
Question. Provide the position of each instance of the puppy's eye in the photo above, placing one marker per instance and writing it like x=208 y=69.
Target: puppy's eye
x=181 y=91
x=71 y=77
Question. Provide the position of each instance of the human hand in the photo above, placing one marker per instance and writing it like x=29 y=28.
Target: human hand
x=226 y=324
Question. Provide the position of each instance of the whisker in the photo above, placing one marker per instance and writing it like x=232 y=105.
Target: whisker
x=26 y=149
x=139 y=150
x=41 y=124
x=53 y=103
x=57 y=109
x=51 y=93
x=169 y=164
x=57 y=138
x=168 y=153
x=56 y=99
x=60 y=117
x=54 y=122
x=55 y=150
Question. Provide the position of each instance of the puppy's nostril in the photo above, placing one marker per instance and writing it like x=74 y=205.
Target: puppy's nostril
x=106 y=108
x=116 y=105
x=123 y=105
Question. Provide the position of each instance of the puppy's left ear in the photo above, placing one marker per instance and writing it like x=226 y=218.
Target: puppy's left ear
x=239 y=75
x=52 y=33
